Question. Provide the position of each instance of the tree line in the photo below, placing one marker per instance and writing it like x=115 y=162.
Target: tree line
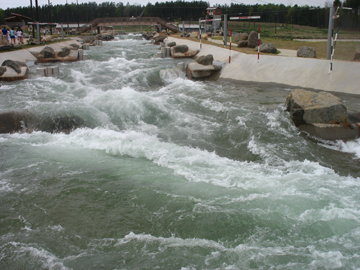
x=181 y=10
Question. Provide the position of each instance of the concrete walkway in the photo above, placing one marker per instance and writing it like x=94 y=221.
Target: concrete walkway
x=293 y=71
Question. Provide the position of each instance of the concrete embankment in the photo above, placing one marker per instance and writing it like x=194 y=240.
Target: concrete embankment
x=25 y=55
x=292 y=71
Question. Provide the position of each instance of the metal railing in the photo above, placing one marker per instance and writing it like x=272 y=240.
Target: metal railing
x=128 y=20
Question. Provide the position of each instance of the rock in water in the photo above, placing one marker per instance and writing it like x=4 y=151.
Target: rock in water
x=205 y=59
x=308 y=107
x=322 y=115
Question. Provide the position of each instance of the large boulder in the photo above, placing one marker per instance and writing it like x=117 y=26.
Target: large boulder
x=242 y=43
x=88 y=39
x=74 y=46
x=253 y=39
x=194 y=34
x=196 y=71
x=159 y=38
x=205 y=59
x=13 y=70
x=308 y=107
x=171 y=44
x=322 y=115
x=268 y=48
x=15 y=65
x=48 y=52
x=6 y=47
x=147 y=36
x=180 y=49
x=241 y=37
x=306 y=51
x=204 y=36
x=105 y=37
x=65 y=51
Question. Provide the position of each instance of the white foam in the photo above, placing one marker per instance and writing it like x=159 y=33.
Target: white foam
x=45 y=258
x=351 y=147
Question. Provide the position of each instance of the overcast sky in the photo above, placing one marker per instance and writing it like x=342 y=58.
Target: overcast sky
x=4 y=4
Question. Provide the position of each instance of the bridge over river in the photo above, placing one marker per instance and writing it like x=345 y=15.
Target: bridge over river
x=126 y=21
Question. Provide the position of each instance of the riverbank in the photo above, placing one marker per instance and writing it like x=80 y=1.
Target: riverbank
x=292 y=71
x=25 y=55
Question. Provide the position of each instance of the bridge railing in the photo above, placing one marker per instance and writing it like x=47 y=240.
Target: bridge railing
x=135 y=20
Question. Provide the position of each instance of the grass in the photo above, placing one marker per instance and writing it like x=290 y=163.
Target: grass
x=287 y=35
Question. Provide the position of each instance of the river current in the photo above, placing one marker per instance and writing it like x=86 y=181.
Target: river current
x=168 y=173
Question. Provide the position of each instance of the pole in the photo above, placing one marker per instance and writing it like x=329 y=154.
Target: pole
x=37 y=19
x=200 y=34
x=77 y=11
x=331 y=26
x=225 y=29
x=32 y=17
x=259 y=44
x=230 y=47
x=332 y=53
x=62 y=31
x=38 y=31
x=183 y=23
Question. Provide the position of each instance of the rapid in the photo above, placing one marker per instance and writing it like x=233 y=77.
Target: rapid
x=168 y=173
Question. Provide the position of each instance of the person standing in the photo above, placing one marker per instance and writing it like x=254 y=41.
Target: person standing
x=12 y=36
x=8 y=35
x=20 y=36
x=4 y=35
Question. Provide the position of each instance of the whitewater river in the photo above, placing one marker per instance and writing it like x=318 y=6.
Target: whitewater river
x=168 y=173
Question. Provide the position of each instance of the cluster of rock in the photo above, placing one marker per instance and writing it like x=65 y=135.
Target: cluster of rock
x=66 y=54
x=195 y=34
x=321 y=115
x=247 y=40
x=14 y=70
x=203 y=69
x=175 y=51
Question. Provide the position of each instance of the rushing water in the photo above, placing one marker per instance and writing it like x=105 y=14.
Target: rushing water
x=168 y=173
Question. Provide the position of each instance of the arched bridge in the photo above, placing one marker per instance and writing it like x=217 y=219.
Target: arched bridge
x=113 y=21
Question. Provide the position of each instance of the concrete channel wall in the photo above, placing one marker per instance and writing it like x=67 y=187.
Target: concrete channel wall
x=293 y=71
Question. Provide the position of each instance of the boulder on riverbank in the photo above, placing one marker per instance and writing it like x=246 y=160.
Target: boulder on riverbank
x=205 y=59
x=267 y=48
x=49 y=55
x=196 y=71
x=183 y=51
x=159 y=38
x=306 y=51
x=13 y=70
x=322 y=115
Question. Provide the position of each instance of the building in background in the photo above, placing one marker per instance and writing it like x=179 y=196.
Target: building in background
x=213 y=19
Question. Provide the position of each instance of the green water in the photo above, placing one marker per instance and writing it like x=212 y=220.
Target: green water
x=168 y=173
